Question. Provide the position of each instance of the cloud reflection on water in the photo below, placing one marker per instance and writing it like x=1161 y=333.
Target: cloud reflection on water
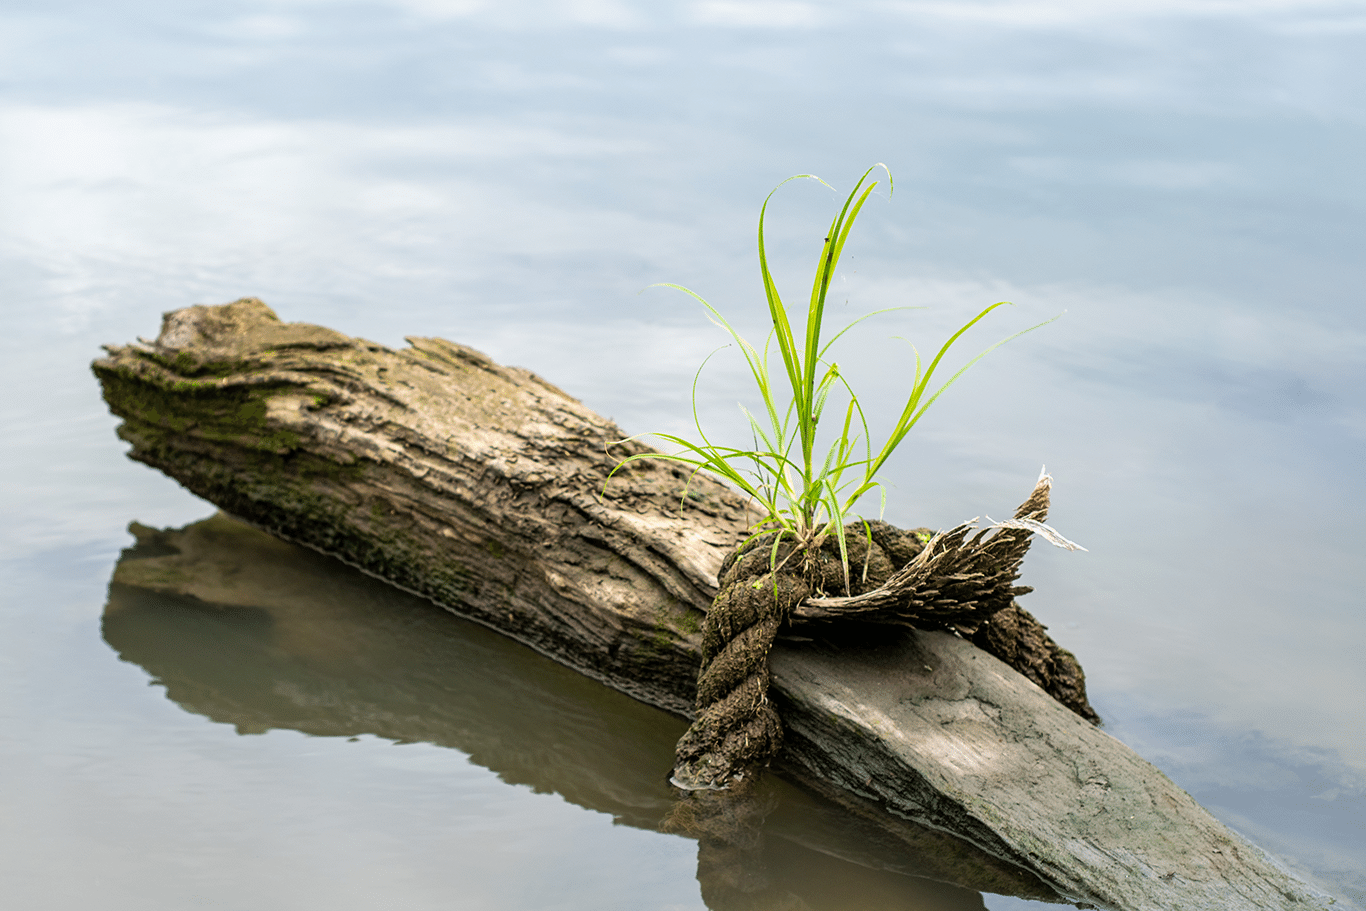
x=1183 y=178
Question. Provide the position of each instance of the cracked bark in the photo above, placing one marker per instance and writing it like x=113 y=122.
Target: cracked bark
x=476 y=486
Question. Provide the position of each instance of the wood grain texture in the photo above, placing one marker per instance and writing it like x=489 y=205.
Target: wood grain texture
x=926 y=724
x=477 y=486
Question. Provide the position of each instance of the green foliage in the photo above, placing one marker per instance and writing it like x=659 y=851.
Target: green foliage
x=800 y=491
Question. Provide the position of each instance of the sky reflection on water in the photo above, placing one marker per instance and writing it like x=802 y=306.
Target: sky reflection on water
x=1182 y=179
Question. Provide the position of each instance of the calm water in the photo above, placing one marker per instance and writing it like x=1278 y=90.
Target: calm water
x=1184 y=180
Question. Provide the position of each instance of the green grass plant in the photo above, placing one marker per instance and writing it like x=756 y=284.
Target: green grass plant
x=804 y=493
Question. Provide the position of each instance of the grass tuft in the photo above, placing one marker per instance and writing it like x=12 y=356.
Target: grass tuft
x=801 y=492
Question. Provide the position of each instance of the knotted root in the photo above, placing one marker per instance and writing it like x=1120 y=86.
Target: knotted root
x=736 y=726
x=962 y=580
x=958 y=580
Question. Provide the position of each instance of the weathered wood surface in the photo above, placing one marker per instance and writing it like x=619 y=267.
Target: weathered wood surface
x=477 y=486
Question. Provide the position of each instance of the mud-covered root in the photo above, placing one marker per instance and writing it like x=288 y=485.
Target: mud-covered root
x=963 y=580
x=737 y=727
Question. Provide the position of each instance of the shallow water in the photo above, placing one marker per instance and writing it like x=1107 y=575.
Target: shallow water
x=1183 y=180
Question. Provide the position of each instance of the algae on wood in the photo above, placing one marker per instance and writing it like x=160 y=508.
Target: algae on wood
x=441 y=472
x=477 y=486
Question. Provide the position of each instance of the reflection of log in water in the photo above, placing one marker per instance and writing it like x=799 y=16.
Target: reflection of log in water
x=254 y=632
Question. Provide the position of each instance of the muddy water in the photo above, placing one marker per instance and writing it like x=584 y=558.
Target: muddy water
x=1184 y=181
x=262 y=635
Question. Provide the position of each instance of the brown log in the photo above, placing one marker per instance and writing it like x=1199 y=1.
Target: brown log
x=478 y=487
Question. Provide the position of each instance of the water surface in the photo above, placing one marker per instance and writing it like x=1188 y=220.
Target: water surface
x=1182 y=179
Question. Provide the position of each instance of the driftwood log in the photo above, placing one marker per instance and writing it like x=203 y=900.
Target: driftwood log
x=477 y=486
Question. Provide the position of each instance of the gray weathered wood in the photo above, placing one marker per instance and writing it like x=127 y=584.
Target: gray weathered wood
x=928 y=725
x=477 y=486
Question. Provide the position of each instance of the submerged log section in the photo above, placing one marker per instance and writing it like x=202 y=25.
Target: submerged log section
x=477 y=486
